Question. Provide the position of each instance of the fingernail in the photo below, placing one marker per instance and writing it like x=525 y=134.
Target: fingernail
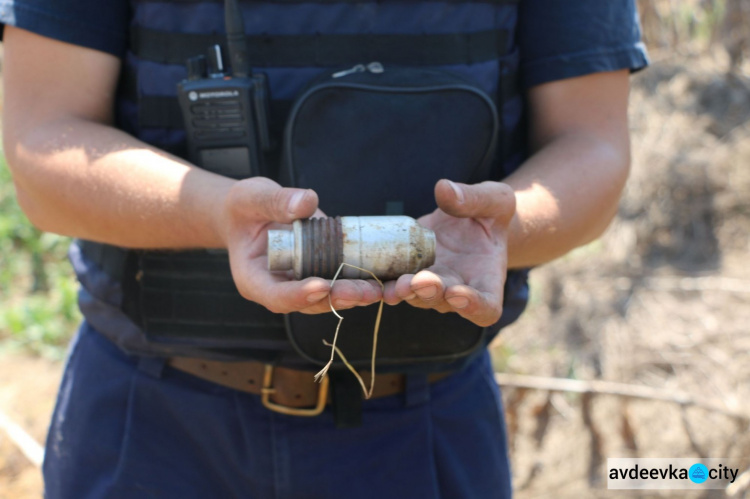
x=459 y=192
x=410 y=297
x=427 y=292
x=295 y=201
x=317 y=296
x=458 y=301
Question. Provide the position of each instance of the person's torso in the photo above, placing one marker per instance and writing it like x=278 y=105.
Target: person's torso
x=293 y=43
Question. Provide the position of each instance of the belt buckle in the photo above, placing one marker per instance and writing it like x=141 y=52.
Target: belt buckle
x=268 y=389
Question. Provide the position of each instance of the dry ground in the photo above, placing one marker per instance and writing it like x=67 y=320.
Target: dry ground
x=662 y=300
x=27 y=393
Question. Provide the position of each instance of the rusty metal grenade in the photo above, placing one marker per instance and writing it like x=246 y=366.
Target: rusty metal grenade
x=387 y=246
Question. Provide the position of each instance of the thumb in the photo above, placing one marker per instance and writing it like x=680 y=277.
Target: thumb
x=264 y=199
x=486 y=200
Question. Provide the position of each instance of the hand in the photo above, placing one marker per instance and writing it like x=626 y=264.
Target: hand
x=471 y=228
x=255 y=205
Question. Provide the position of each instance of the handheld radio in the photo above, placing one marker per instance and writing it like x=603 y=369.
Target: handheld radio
x=226 y=112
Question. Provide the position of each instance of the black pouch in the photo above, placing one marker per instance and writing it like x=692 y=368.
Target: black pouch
x=372 y=141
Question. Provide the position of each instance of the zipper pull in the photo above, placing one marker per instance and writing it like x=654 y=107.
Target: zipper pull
x=359 y=68
x=373 y=67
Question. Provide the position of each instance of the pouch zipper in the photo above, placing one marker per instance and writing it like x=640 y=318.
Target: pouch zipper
x=377 y=68
x=373 y=67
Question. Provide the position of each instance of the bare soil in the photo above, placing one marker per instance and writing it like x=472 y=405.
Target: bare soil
x=662 y=300
x=27 y=392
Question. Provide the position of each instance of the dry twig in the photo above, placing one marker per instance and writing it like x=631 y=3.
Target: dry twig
x=616 y=389
x=511 y=409
x=542 y=414
x=596 y=457
x=626 y=429
x=25 y=442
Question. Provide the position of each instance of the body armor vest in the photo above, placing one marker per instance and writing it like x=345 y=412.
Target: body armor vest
x=186 y=301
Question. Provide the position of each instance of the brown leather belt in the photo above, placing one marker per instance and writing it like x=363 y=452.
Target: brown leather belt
x=284 y=390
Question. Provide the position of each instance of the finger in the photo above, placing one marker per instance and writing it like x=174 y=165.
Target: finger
x=349 y=293
x=279 y=293
x=311 y=295
x=402 y=287
x=428 y=286
x=493 y=200
x=481 y=308
x=283 y=296
x=274 y=290
x=367 y=296
x=389 y=293
x=400 y=290
x=441 y=306
x=260 y=198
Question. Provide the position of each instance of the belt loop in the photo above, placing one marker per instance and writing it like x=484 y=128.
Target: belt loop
x=152 y=366
x=346 y=398
x=417 y=390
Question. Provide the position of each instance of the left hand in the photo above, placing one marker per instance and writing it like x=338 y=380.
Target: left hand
x=471 y=227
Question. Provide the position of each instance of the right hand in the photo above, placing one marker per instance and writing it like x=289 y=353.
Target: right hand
x=251 y=207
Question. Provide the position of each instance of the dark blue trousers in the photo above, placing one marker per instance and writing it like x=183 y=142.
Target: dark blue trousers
x=124 y=427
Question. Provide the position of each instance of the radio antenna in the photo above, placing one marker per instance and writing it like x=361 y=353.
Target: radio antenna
x=236 y=43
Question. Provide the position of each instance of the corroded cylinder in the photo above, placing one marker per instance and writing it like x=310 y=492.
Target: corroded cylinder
x=387 y=246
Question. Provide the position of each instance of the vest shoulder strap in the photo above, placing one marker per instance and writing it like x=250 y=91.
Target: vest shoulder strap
x=330 y=50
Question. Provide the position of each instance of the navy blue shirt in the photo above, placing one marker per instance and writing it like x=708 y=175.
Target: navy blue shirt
x=557 y=38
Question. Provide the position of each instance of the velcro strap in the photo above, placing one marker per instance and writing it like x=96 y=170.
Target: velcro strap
x=327 y=50
x=191 y=296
